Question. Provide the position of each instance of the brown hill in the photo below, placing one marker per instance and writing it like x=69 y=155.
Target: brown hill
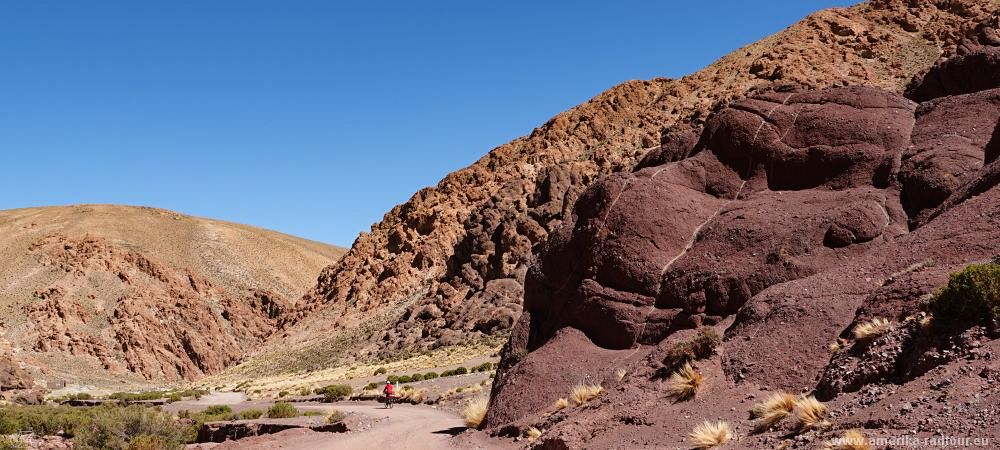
x=93 y=291
x=448 y=265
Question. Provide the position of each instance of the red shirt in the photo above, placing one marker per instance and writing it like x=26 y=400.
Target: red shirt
x=388 y=389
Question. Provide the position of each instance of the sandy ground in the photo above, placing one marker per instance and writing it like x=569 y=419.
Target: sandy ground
x=404 y=426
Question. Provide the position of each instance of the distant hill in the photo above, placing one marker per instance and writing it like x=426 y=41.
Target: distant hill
x=92 y=291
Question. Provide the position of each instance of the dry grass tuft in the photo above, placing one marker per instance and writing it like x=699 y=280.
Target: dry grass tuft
x=773 y=410
x=810 y=414
x=837 y=345
x=852 y=439
x=415 y=396
x=583 y=393
x=620 y=374
x=532 y=433
x=872 y=329
x=708 y=434
x=684 y=383
x=475 y=411
x=561 y=404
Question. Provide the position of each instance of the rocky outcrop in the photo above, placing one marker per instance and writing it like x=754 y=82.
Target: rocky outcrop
x=166 y=324
x=432 y=260
x=796 y=216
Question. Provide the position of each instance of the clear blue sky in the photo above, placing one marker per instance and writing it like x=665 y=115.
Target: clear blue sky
x=315 y=117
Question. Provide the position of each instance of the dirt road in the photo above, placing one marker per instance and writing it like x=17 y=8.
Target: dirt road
x=403 y=427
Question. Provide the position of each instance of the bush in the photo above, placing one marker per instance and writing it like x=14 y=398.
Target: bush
x=305 y=391
x=216 y=412
x=484 y=367
x=371 y=386
x=461 y=371
x=335 y=416
x=128 y=427
x=334 y=392
x=701 y=346
x=12 y=443
x=282 y=410
x=174 y=398
x=282 y=394
x=379 y=371
x=430 y=375
x=251 y=414
x=313 y=413
x=971 y=295
x=392 y=378
x=417 y=377
x=404 y=379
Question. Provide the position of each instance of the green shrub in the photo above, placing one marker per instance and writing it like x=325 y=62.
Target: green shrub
x=701 y=346
x=392 y=378
x=137 y=396
x=430 y=375
x=970 y=295
x=251 y=414
x=371 y=386
x=335 y=416
x=334 y=392
x=174 y=398
x=313 y=413
x=417 y=377
x=216 y=412
x=12 y=443
x=484 y=367
x=305 y=391
x=461 y=371
x=282 y=410
x=282 y=394
x=404 y=379
x=379 y=371
x=113 y=427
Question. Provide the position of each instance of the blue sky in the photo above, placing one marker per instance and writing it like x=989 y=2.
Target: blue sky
x=315 y=117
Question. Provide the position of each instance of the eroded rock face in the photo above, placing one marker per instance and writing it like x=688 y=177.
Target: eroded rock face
x=796 y=209
x=166 y=323
x=484 y=223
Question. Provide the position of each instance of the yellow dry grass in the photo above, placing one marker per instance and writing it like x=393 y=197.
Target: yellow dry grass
x=475 y=411
x=810 y=414
x=773 y=410
x=620 y=374
x=442 y=357
x=872 y=329
x=583 y=393
x=561 y=404
x=708 y=434
x=532 y=433
x=852 y=439
x=684 y=383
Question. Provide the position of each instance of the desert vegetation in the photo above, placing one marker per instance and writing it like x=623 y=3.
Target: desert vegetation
x=684 y=383
x=334 y=392
x=867 y=331
x=282 y=410
x=708 y=434
x=971 y=295
x=810 y=414
x=99 y=427
x=701 y=346
x=773 y=410
x=475 y=411
x=583 y=393
x=852 y=439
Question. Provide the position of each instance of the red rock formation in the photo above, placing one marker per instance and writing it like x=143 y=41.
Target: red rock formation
x=799 y=216
x=436 y=255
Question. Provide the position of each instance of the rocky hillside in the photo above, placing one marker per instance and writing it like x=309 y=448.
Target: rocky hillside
x=449 y=264
x=834 y=245
x=93 y=291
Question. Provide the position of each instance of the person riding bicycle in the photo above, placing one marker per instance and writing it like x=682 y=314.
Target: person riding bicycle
x=388 y=391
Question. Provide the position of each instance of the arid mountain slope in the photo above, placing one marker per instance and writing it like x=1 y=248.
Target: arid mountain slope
x=91 y=291
x=448 y=265
x=814 y=232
